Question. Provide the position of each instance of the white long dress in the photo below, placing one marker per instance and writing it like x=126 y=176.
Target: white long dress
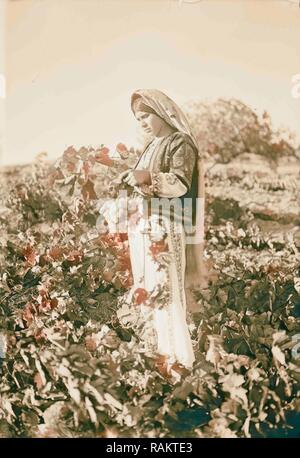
x=168 y=333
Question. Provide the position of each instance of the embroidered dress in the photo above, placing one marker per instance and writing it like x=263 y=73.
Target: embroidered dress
x=158 y=245
x=165 y=326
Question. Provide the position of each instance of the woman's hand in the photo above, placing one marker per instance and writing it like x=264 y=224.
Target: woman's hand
x=130 y=179
x=121 y=177
x=134 y=177
x=138 y=177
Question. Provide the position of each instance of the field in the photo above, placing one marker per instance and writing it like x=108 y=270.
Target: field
x=72 y=370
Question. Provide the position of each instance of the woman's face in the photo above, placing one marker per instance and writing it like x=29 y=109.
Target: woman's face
x=150 y=123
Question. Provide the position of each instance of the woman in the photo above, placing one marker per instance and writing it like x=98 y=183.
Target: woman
x=163 y=266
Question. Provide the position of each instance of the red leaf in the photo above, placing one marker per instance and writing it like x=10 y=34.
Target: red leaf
x=122 y=150
x=123 y=236
x=123 y=263
x=56 y=253
x=39 y=336
x=103 y=150
x=114 y=240
x=103 y=157
x=30 y=254
x=88 y=191
x=54 y=303
x=28 y=313
x=140 y=295
x=158 y=247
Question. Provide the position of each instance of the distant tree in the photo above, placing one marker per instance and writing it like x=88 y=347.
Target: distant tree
x=228 y=127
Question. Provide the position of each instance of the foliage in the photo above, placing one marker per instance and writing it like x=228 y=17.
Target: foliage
x=228 y=127
x=72 y=369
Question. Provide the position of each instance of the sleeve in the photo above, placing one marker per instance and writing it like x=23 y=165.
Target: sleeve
x=167 y=184
x=162 y=185
x=177 y=181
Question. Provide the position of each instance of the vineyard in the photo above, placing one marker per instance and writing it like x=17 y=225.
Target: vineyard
x=71 y=369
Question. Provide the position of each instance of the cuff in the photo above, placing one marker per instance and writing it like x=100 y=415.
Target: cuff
x=156 y=183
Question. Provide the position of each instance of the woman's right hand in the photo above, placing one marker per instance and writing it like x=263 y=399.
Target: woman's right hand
x=121 y=176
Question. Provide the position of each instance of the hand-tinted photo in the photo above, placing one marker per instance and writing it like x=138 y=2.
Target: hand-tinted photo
x=149 y=219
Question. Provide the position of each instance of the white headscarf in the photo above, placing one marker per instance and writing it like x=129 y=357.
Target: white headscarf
x=168 y=110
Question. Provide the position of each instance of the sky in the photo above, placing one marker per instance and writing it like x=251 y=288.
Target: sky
x=2 y=78
x=71 y=65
